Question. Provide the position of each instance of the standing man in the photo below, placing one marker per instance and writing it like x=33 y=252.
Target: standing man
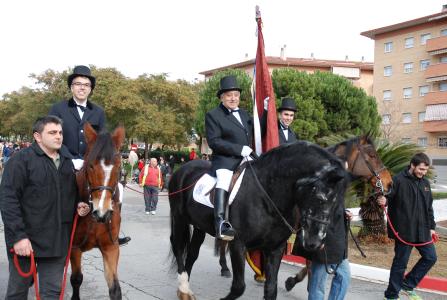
x=38 y=198
x=229 y=134
x=410 y=208
x=151 y=180
x=76 y=112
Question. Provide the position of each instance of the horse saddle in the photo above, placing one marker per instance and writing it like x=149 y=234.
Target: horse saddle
x=204 y=189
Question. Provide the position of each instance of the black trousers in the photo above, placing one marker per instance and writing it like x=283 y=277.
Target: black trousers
x=50 y=273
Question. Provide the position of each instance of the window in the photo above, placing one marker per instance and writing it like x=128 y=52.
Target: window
x=422 y=141
x=443 y=59
x=424 y=64
x=423 y=90
x=408 y=67
x=386 y=119
x=425 y=37
x=408 y=92
x=388 y=71
x=406 y=140
x=387 y=95
x=443 y=86
x=388 y=47
x=409 y=42
x=443 y=32
x=406 y=118
x=421 y=116
x=442 y=142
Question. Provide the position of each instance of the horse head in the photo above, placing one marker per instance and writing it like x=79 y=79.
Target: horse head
x=102 y=163
x=318 y=195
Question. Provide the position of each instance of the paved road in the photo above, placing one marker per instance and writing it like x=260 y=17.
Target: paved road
x=145 y=273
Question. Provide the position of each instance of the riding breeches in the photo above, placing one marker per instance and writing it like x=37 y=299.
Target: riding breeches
x=224 y=179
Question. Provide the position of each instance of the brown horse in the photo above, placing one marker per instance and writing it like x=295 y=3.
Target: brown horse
x=363 y=162
x=98 y=185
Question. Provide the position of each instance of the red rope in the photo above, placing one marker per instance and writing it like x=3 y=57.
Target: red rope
x=433 y=240
x=169 y=194
x=33 y=272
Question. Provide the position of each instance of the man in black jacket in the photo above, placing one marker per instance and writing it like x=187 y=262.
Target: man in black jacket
x=76 y=112
x=410 y=208
x=38 y=196
x=229 y=134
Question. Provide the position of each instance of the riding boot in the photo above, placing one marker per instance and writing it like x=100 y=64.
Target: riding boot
x=224 y=230
x=124 y=240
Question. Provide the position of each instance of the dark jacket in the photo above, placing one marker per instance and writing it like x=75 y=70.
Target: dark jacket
x=37 y=201
x=335 y=244
x=410 y=207
x=282 y=138
x=226 y=137
x=73 y=126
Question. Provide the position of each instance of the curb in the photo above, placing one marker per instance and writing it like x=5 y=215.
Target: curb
x=368 y=273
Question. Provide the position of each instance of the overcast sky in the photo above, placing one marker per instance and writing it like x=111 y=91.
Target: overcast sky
x=183 y=38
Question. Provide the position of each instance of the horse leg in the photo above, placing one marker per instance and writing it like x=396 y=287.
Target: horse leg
x=180 y=239
x=292 y=281
x=197 y=239
x=272 y=264
x=237 y=254
x=76 y=272
x=110 y=257
x=224 y=271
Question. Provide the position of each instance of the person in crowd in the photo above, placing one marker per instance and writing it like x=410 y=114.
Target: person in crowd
x=8 y=150
x=229 y=132
x=151 y=180
x=164 y=168
x=77 y=111
x=193 y=154
x=410 y=209
x=38 y=198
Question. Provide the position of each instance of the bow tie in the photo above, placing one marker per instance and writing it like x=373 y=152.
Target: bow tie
x=283 y=127
x=234 y=110
x=82 y=108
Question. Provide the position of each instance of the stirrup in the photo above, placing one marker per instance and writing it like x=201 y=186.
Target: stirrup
x=225 y=231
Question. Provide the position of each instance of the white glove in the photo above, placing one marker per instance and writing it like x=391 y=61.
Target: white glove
x=77 y=163
x=246 y=151
x=266 y=103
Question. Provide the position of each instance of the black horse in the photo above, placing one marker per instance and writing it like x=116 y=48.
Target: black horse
x=300 y=174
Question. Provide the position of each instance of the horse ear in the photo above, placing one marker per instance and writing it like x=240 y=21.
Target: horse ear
x=118 y=137
x=90 y=133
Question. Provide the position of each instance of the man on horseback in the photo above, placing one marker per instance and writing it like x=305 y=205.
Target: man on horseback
x=286 y=115
x=76 y=112
x=38 y=196
x=229 y=134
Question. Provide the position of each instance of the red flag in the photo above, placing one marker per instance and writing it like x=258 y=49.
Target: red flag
x=264 y=89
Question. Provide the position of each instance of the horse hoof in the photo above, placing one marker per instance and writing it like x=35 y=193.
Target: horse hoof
x=225 y=273
x=185 y=296
x=290 y=283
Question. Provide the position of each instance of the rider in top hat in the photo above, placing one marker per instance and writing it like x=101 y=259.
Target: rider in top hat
x=286 y=114
x=76 y=112
x=229 y=135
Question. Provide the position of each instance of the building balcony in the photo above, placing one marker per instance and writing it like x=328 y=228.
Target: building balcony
x=435 y=126
x=437 y=45
x=437 y=97
x=437 y=72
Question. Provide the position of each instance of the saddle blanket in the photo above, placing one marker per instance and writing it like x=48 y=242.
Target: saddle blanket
x=206 y=183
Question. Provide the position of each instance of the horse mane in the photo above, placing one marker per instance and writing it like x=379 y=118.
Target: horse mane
x=103 y=148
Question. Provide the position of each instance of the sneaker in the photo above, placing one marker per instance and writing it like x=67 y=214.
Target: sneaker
x=147 y=213
x=411 y=294
x=153 y=212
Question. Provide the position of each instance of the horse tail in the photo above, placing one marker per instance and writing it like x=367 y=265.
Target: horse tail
x=180 y=239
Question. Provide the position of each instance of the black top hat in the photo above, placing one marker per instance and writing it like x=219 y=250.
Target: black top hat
x=287 y=104
x=81 y=71
x=228 y=83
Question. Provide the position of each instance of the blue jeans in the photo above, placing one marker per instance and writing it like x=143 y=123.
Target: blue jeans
x=150 y=197
x=340 y=282
x=411 y=280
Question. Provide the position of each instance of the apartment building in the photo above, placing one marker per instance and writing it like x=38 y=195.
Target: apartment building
x=360 y=73
x=410 y=82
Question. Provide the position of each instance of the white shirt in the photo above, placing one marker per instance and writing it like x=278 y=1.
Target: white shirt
x=80 y=111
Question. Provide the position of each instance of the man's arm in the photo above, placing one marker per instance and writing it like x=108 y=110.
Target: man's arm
x=215 y=141
x=11 y=190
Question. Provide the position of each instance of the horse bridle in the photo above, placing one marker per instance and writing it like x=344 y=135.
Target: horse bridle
x=379 y=184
